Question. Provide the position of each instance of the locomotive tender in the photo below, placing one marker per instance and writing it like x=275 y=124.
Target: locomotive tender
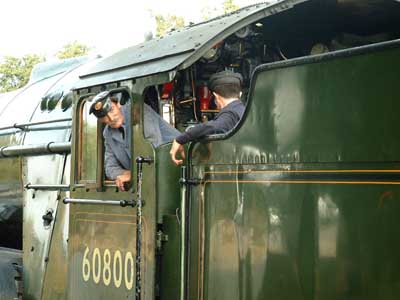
x=299 y=201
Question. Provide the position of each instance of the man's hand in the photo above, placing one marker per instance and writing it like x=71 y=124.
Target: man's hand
x=176 y=147
x=121 y=179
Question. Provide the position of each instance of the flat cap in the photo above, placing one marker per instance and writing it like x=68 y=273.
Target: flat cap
x=224 y=77
x=101 y=104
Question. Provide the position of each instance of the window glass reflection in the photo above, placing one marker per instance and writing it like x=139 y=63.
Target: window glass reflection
x=88 y=144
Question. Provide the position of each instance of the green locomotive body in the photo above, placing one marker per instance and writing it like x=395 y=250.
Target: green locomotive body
x=298 y=201
x=303 y=205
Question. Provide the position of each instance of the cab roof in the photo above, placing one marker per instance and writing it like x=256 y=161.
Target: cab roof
x=181 y=48
x=178 y=49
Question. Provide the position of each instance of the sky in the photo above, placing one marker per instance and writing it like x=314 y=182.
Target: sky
x=44 y=26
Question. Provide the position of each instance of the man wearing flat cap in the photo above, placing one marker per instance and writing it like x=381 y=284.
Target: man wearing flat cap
x=116 y=114
x=226 y=88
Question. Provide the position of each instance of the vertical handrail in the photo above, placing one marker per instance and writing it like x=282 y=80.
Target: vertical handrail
x=183 y=232
x=139 y=204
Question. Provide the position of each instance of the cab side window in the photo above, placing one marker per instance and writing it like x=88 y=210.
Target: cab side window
x=88 y=145
x=158 y=118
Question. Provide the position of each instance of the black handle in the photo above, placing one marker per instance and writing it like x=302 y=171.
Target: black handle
x=146 y=160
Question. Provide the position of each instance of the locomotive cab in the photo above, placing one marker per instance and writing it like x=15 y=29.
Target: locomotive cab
x=99 y=208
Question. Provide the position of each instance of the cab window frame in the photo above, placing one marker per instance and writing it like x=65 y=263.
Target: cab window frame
x=79 y=154
x=100 y=181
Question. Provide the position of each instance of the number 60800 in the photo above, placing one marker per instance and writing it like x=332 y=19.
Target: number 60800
x=107 y=267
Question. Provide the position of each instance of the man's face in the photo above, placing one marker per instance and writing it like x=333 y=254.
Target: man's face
x=114 y=117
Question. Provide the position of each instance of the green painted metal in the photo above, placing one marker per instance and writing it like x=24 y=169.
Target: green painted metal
x=55 y=282
x=38 y=235
x=100 y=238
x=98 y=229
x=170 y=256
x=35 y=160
x=301 y=202
x=167 y=188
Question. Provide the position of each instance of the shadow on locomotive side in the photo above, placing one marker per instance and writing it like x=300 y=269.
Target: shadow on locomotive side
x=299 y=200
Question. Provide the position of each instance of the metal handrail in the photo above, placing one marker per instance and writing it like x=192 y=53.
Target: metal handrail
x=48 y=187
x=37 y=149
x=122 y=203
x=47 y=128
x=23 y=126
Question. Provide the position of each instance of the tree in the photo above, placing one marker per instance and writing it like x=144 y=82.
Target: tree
x=165 y=23
x=229 y=6
x=15 y=71
x=73 y=49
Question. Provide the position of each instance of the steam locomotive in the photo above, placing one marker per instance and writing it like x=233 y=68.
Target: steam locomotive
x=298 y=201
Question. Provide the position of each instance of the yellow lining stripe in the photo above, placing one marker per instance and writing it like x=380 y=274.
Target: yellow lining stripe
x=103 y=214
x=105 y=222
x=302 y=182
x=302 y=171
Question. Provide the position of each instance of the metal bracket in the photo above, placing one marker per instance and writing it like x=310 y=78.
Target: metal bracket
x=132 y=203
x=184 y=180
x=144 y=160
x=160 y=238
x=190 y=181
x=48 y=218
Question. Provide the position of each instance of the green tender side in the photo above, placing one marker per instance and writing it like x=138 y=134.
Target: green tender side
x=302 y=201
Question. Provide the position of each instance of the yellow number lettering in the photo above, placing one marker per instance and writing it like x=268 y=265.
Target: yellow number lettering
x=129 y=270
x=98 y=268
x=107 y=267
x=117 y=262
x=96 y=263
x=86 y=265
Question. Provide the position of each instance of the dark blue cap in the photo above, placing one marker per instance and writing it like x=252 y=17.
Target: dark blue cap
x=223 y=78
x=101 y=104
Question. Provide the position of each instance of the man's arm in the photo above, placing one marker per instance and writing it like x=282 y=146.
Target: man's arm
x=175 y=149
x=151 y=129
x=156 y=129
x=113 y=169
x=225 y=122
x=122 y=179
x=111 y=164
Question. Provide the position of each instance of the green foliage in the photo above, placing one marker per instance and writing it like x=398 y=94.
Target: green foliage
x=73 y=49
x=229 y=6
x=167 y=22
x=15 y=71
